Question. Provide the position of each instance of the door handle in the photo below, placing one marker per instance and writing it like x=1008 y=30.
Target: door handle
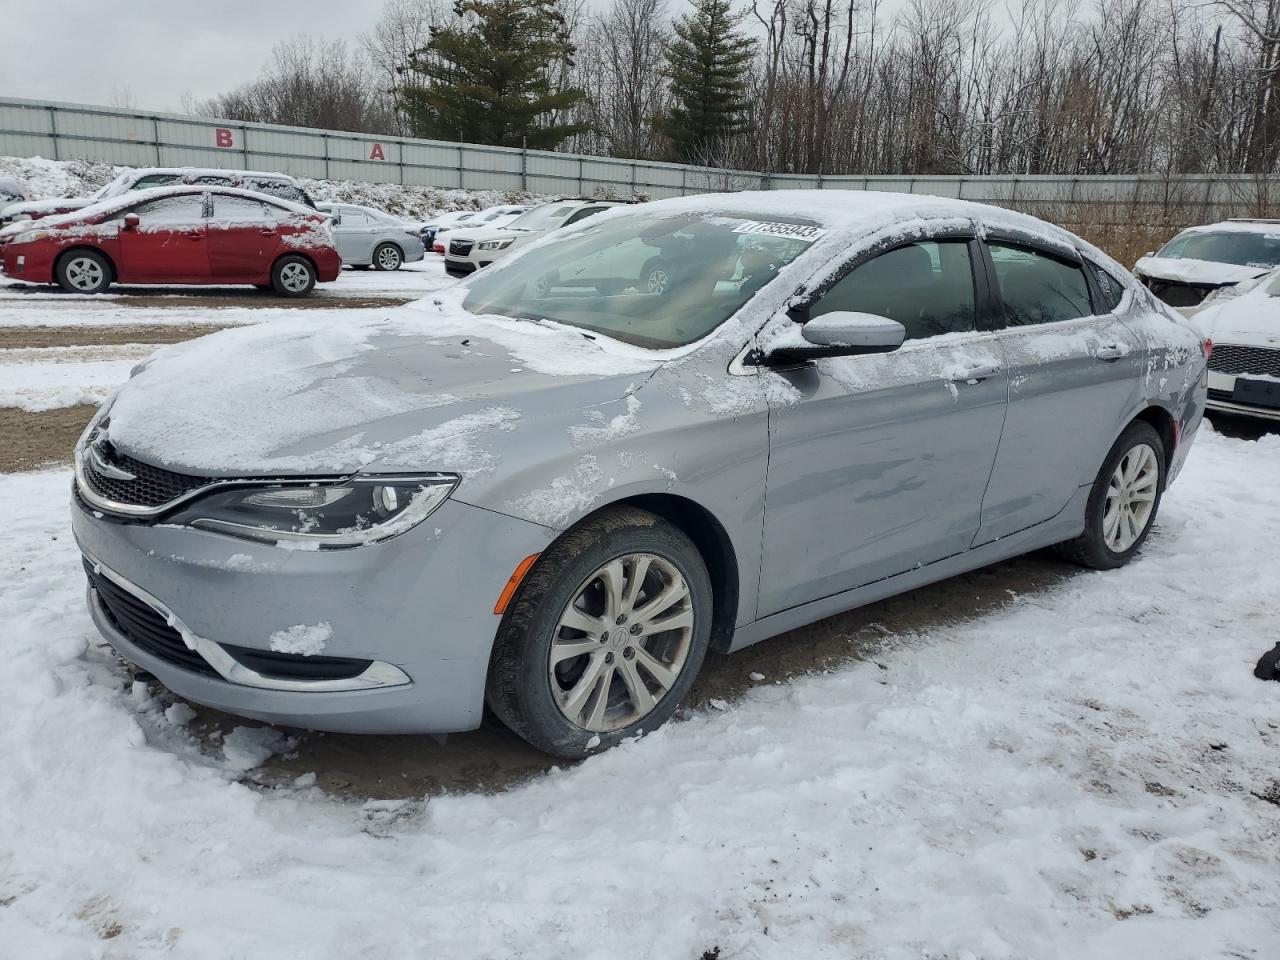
x=194 y=235
x=267 y=231
x=974 y=374
x=1112 y=351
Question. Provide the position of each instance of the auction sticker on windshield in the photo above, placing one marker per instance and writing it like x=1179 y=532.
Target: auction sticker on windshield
x=791 y=231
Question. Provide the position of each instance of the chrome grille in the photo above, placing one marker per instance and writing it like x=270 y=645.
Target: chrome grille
x=151 y=486
x=1232 y=358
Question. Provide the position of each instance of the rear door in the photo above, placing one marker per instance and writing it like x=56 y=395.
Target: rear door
x=244 y=238
x=170 y=243
x=878 y=463
x=1073 y=381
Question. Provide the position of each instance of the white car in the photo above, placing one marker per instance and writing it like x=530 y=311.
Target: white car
x=1201 y=260
x=470 y=248
x=498 y=216
x=1244 y=367
x=366 y=237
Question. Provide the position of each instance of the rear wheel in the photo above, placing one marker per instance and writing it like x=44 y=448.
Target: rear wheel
x=84 y=271
x=293 y=276
x=1123 y=504
x=387 y=256
x=604 y=637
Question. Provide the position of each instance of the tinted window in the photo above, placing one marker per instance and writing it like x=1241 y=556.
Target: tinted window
x=166 y=210
x=1112 y=289
x=155 y=180
x=1037 y=288
x=277 y=188
x=927 y=287
x=583 y=214
x=213 y=181
x=243 y=210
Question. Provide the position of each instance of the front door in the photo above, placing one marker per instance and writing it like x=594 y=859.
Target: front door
x=878 y=463
x=244 y=238
x=169 y=244
x=1073 y=382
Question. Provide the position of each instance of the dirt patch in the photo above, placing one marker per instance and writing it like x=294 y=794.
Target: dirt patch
x=492 y=758
x=29 y=441
x=18 y=338
x=179 y=298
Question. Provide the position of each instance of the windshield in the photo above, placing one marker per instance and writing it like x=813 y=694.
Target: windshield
x=546 y=217
x=656 y=282
x=112 y=189
x=1237 y=247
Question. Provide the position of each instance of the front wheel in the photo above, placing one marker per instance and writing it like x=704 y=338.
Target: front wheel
x=84 y=271
x=387 y=257
x=293 y=276
x=1124 y=501
x=604 y=637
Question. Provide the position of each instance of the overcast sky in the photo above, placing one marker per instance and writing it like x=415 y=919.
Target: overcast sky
x=87 y=50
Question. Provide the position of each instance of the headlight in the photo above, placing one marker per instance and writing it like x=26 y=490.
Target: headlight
x=362 y=510
x=494 y=245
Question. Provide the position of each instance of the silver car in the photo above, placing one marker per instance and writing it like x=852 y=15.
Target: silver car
x=552 y=488
x=367 y=237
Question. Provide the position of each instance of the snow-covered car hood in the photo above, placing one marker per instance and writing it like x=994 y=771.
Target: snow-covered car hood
x=1250 y=319
x=1182 y=270
x=491 y=233
x=416 y=391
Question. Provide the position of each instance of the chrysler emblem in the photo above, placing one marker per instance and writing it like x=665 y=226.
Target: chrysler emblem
x=103 y=468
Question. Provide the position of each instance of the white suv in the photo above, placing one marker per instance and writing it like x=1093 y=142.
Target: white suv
x=468 y=250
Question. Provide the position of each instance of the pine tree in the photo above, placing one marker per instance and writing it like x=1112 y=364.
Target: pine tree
x=489 y=78
x=707 y=64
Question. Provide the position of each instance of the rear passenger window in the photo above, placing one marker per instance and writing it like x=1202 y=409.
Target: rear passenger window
x=277 y=188
x=1112 y=289
x=583 y=214
x=212 y=181
x=243 y=210
x=1037 y=288
x=155 y=180
x=927 y=287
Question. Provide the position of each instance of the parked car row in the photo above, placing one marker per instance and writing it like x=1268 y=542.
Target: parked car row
x=1226 y=275
x=366 y=237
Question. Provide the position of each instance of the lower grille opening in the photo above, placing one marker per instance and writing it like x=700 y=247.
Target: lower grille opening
x=294 y=666
x=144 y=626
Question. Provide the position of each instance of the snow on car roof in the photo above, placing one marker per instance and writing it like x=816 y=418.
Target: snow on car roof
x=1271 y=227
x=206 y=172
x=155 y=193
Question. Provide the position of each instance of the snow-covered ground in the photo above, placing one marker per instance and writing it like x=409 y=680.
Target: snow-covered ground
x=1089 y=772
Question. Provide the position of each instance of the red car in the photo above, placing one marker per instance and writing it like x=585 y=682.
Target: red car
x=177 y=235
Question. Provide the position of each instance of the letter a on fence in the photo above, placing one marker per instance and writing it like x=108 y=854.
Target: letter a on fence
x=222 y=137
x=376 y=153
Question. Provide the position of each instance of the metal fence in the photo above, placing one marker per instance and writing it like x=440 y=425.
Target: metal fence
x=64 y=131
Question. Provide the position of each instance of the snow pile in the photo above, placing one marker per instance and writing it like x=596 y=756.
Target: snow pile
x=302 y=639
x=43 y=385
x=1087 y=772
x=49 y=179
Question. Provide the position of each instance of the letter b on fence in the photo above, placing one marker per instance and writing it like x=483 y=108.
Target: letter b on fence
x=222 y=138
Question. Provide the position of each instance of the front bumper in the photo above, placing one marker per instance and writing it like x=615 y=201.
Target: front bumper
x=1221 y=390
x=458 y=268
x=418 y=609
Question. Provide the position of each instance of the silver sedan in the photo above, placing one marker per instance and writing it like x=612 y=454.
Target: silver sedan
x=553 y=488
x=366 y=237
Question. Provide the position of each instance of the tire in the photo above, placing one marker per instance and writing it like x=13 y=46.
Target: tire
x=83 y=271
x=1108 y=543
x=360 y=266
x=387 y=256
x=587 y=701
x=655 y=276
x=293 y=276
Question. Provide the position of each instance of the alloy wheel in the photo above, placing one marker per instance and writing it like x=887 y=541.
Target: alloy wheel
x=84 y=273
x=621 y=643
x=294 y=277
x=1131 y=498
x=658 y=281
x=388 y=258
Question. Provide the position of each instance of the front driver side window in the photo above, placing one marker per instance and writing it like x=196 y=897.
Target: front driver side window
x=927 y=287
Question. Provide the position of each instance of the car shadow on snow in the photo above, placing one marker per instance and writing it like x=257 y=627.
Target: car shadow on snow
x=364 y=767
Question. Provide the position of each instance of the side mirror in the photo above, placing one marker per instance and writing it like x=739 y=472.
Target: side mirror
x=131 y=221
x=841 y=333
x=335 y=218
